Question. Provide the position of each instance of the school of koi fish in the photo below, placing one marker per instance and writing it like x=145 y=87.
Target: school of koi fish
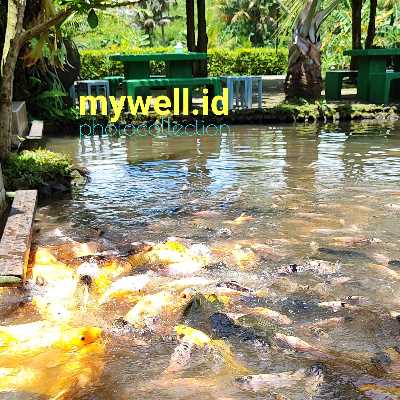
x=81 y=297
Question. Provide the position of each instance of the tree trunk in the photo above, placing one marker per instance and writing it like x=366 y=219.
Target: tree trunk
x=202 y=38
x=163 y=35
x=190 y=30
x=372 y=24
x=5 y=121
x=303 y=79
x=149 y=33
x=7 y=78
x=356 y=8
x=6 y=97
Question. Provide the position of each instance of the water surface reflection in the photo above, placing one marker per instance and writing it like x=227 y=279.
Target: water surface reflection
x=326 y=193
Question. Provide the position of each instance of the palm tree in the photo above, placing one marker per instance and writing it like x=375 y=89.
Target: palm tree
x=304 y=79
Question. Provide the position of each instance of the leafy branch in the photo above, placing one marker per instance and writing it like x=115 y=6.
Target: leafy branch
x=73 y=6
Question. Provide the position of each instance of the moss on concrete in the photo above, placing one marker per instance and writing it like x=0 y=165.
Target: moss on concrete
x=52 y=174
x=9 y=280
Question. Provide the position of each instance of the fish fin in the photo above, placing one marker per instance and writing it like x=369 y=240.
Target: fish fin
x=228 y=357
x=60 y=395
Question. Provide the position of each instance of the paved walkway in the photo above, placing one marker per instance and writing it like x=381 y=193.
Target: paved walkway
x=273 y=86
x=273 y=90
x=274 y=94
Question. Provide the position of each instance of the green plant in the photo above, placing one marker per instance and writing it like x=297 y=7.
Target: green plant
x=32 y=169
x=151 y=14
x=96 y=64
x=113 y=30
x=49 y=104
x=255 y=21
x=247 y=61
x=38 y=20
x=337 y=31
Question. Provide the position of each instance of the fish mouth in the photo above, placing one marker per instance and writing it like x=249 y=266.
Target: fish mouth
x=381 y=359
x=188 y=294
x=86 y=280
x=394 y=263
x=121 y=325
x=317 y=370
x=243 y=382
x=92 y=334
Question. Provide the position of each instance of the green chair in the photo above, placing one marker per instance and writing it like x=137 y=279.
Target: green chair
x=115 y=83
x=380 y=85
x=334 y=82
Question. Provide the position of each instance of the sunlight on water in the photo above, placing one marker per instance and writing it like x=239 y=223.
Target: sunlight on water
x=303 y=221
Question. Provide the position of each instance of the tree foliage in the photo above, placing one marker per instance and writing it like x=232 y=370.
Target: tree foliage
x=253 y=20
x=153 y=14
x=39 y=20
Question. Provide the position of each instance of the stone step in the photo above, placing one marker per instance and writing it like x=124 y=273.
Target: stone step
x=19 y=118
x=36 y=131
x=16 y=240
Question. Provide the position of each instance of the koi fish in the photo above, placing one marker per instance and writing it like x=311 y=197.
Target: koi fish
x=174 y=256
x=268 y=314
x=55 y=374
x=240 y=220
x=157 y=308
x=27 y=340
x=129 y=286
x=312 y=379
x=190 y=338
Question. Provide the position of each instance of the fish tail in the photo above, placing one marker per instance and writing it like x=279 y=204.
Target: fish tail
x=9 y=379
x=138 y=260
x=6 y=339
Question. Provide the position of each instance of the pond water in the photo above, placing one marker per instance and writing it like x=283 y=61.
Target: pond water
x=306 y=218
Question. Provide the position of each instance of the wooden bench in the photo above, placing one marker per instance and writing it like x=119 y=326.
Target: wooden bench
x=380 y=86
x=16 y=240
x=133 y=84
x=334 y=82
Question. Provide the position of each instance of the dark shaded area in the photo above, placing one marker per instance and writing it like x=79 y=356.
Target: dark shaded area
x=224 y=327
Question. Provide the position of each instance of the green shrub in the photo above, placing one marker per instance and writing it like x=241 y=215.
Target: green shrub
x=96 y=64
x=31 y=169
x=253 y=61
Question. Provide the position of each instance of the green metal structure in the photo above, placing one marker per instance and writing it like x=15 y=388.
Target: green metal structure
x=178 y=73
x=373 y=63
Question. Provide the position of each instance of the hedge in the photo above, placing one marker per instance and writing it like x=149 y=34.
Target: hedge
x=95 y=64
x=253 y=61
